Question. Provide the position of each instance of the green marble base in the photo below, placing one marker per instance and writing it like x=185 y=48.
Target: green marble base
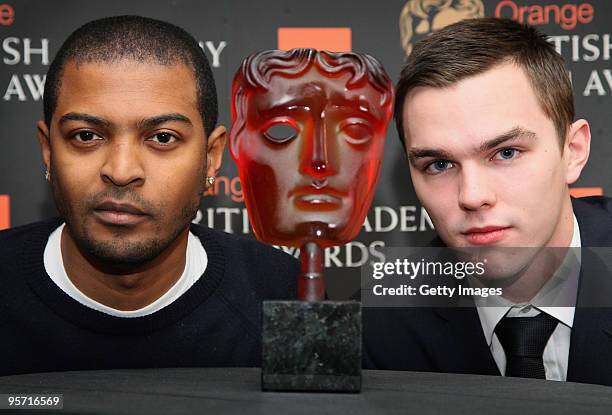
x=311 y=346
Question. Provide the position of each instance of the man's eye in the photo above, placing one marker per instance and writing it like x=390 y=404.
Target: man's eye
x=86 y=136
x=438 y=166
x=356 y=131
x=280 y=133
x=163 y=138
x=506 y=154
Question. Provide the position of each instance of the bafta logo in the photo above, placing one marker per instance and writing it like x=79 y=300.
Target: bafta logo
x=421 y=17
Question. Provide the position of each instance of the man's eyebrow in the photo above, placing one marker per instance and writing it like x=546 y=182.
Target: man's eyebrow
x=152 y=122
x=514 y=134
x=88 y=118
x=417 y=153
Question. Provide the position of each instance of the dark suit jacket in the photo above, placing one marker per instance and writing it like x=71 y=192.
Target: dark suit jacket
x=451 y=340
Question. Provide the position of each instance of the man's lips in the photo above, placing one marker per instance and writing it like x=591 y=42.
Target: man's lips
x=486 y=234
x=116 y=213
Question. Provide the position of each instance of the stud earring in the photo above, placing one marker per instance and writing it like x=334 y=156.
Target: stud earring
x=210 y=180
x=47 y=175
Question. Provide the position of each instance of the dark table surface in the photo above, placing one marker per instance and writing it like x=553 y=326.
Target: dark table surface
x=237 y=391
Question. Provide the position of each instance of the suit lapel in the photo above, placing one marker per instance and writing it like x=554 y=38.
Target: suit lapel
x=590 y=358
x=461 y=345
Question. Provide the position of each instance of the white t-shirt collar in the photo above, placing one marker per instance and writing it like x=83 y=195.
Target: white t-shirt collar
x=196 y=261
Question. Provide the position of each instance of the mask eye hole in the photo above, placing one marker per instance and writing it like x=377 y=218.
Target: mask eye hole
x=281 y=132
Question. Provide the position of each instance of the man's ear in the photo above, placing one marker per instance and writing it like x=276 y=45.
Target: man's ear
x=44 y=139
x=577 y=149
x=214 y=151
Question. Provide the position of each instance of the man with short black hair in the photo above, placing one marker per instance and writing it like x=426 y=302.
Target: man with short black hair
x=124 y=280
x=485 y=112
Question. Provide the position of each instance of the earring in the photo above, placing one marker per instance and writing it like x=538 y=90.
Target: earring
x=210 y=180
x=47 y=175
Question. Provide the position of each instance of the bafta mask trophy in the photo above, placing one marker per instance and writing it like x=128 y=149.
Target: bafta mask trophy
x=308 y=137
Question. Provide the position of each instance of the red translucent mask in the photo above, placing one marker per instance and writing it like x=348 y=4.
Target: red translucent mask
x=308 y=137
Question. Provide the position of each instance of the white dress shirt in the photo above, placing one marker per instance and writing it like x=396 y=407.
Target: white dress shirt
x=560 y=289
x=195 y=264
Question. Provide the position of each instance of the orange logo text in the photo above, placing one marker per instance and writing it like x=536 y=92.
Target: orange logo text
x=229 y=187
x=567 y=16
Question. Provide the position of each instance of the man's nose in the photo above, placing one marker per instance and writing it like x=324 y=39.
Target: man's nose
x=475 y=189
x=123 y=163
x=319 y=152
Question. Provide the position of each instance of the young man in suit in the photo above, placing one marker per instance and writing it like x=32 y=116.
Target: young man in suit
x=123 y=279
x=485 y=112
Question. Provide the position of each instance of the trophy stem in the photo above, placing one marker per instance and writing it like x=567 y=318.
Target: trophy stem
x=311 y=283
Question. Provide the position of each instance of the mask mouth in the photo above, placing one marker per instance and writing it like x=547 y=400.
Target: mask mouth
x=317 y=201
x=319 y=198
x=312 y=198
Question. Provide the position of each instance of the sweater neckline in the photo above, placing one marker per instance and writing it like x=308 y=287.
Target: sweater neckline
x=71 y=310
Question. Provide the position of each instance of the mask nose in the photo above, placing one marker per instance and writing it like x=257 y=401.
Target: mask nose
x=319 y=153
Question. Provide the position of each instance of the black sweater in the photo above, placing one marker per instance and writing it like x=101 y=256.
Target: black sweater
x=217 y=322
